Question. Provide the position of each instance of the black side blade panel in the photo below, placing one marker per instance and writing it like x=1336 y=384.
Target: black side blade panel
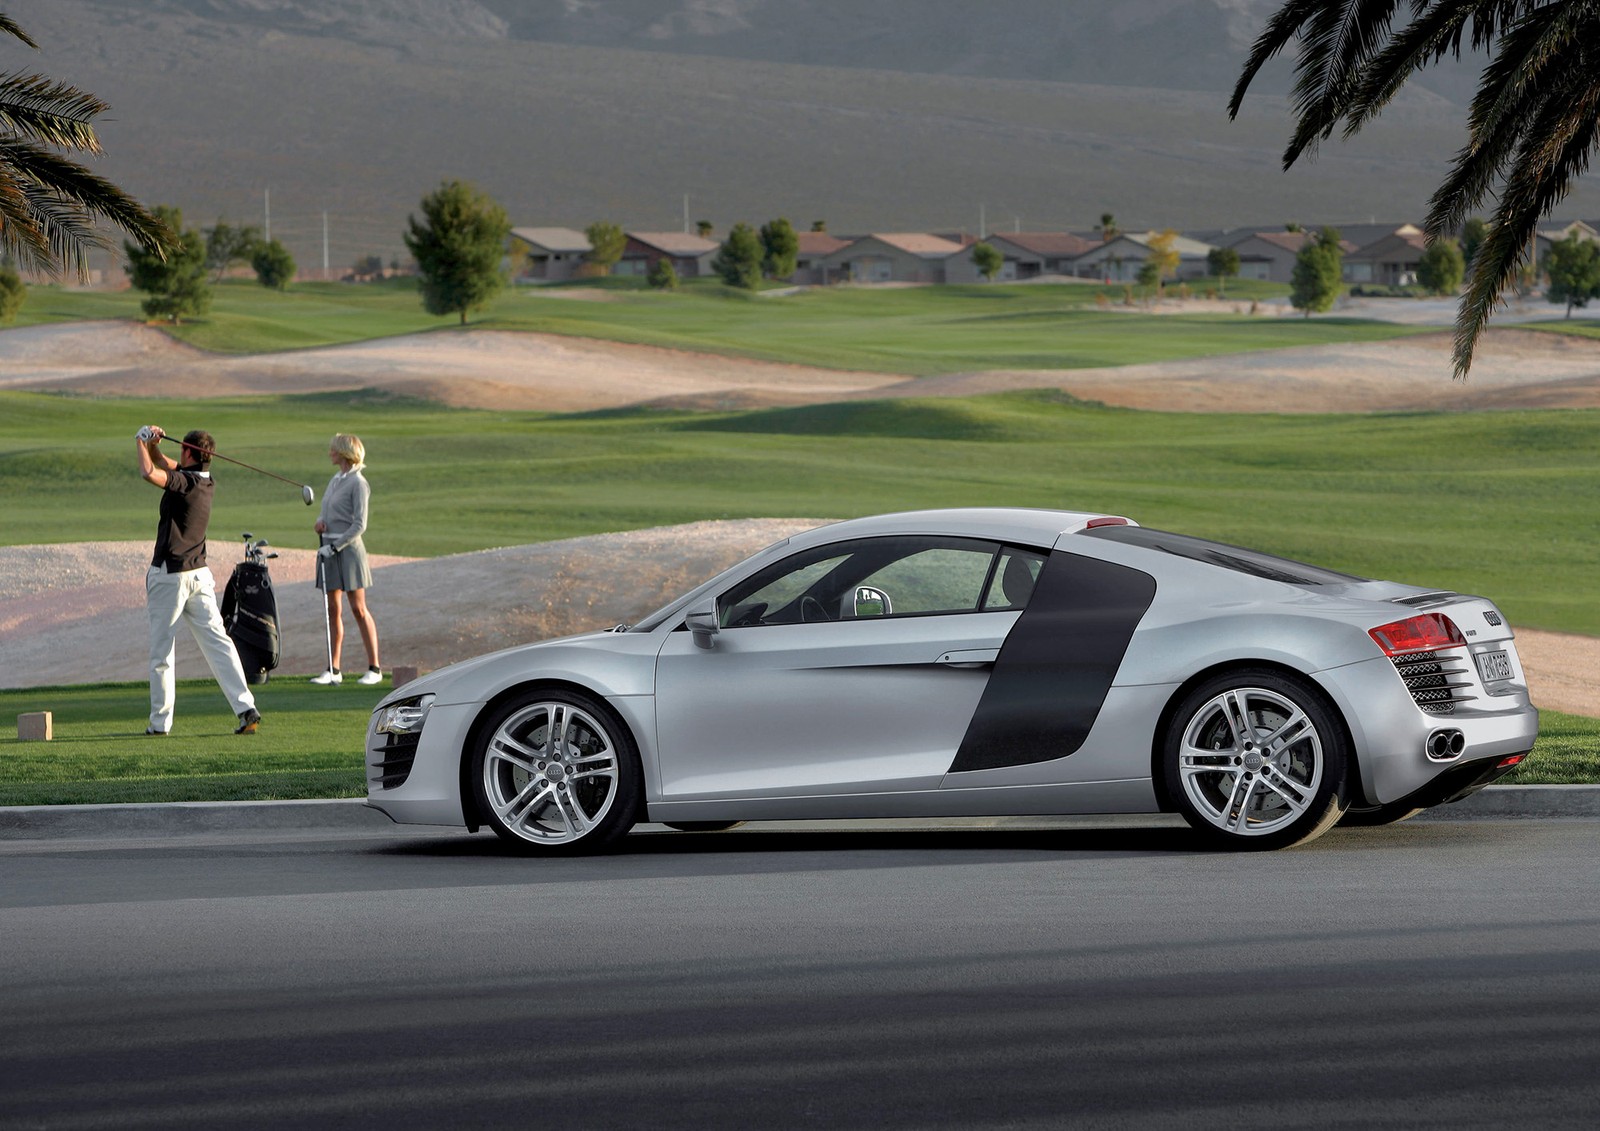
x=1056 y=666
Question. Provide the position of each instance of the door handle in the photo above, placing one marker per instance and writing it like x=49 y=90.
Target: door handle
x=968 y=658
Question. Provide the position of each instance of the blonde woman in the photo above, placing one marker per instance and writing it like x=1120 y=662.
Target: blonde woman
x=342 y=559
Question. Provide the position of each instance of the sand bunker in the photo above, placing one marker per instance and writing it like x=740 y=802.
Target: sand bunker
x=503 y=369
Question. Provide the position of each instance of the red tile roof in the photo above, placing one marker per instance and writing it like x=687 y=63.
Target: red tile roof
x=1048 y=243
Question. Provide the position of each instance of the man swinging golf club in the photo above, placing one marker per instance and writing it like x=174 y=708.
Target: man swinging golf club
x=178 y=583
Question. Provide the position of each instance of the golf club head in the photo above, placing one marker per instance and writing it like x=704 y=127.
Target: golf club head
x=308 y=495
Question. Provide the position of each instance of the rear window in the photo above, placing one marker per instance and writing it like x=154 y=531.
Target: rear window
x=1236 y=558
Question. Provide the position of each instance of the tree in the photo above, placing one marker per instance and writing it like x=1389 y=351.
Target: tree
x=739 y=259
x=227 y=245
x=607 y=241
x=174 y=275
x=12 y=293
x=1532 y=128
x=1223 y=262
x=819 y=225
x=368 y=267
x=1149 y=275
x=458 y=245
x=1107 y=227
x=1293 y=226
x=704 y=228
x=1473 y=233
x=663 y=276
x=780 y=248
x=1318 y=270
x=1441 y=267
x=987 y=259
x=1574 y=267
x=50 y=204
x=1164 y=254
x=273 y=265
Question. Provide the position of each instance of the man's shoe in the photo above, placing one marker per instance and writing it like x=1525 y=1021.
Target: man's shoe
x=330 y=676
x=248 y=722
x=371 y=675
x=153 y=730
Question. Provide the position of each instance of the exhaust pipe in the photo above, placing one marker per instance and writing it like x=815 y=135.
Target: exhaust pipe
x=1443 y=745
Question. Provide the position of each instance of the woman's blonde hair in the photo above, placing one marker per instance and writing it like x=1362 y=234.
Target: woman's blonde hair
x=351 y=448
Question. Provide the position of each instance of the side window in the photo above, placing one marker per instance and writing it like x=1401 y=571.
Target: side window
x=940 y=579
x=1013 y=580
x=874 y=577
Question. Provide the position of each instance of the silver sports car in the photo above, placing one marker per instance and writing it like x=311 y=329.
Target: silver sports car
x=969 y=663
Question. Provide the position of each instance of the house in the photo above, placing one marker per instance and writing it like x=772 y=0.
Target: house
x=1558 y=232
x=689 y=255
x=1118 y=260
x=1390 y=261
x=814 y=248
x=546 y=255
x=1271 y=255
x=892 y=257
x=1041 y=253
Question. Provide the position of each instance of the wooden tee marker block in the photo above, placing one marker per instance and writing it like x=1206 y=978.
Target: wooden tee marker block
x=35 y=726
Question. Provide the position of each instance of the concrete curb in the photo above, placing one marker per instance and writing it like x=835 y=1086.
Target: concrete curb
x=200 y=818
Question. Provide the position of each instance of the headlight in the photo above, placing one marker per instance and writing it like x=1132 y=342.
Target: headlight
x=404 y=717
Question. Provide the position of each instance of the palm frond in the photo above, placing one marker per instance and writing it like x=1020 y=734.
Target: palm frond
x=20 y=237
x=1284 y=25
x=10 y=27
x=1435 y=32
x=54 y=203
x=1336 y=48
x=1555 y=151
x=55 y=113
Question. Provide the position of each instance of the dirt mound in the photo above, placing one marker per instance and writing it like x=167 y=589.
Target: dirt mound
x=75 y=613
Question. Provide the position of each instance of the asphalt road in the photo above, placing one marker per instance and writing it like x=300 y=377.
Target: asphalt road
x=1430 y=974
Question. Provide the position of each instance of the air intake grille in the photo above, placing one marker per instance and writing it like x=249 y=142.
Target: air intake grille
x=392 y=758
x=1437 y=683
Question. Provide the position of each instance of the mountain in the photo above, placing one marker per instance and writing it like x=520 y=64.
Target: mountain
x=891 y=115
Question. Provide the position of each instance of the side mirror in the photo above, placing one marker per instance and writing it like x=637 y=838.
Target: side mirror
x=702 y=625
x=870 y=602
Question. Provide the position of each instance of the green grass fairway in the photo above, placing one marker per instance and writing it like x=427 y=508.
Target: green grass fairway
x=914 y=330
x=310 y=745
x=1503 y=504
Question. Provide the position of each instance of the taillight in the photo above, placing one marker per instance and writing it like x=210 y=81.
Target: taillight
x=1426 y=633
x=1106 y=520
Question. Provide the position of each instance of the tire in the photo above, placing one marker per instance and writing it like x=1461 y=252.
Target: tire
x=571 y=797
x=1256 y=759
x=1379 y=815
x=702 y=826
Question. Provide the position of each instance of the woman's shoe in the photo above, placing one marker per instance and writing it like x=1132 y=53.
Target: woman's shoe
x=371 y=675
x=330 y=676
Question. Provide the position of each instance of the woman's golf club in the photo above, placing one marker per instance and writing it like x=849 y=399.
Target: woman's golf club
x=306 y=493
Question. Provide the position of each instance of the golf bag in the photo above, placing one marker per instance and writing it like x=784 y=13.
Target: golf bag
x=250 y=615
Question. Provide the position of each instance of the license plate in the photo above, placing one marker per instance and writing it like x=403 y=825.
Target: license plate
x=1494 y=666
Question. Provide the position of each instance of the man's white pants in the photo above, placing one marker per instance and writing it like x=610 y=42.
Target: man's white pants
x=191 y=595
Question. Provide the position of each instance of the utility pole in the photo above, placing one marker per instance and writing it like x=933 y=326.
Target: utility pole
x=982 y=229
x=324 y=245
x=268 y=193
x=685 y=213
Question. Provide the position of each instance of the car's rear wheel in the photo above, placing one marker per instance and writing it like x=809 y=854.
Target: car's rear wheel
x=557 y=772
x=1256 y=759
x=702 y=826
x=1379 y=815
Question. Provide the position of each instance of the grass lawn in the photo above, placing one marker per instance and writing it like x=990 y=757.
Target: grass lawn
x=912 y=330
x=1503 y=504
x=310 y=745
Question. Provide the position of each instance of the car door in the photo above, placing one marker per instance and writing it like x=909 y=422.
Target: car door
x=849 y=668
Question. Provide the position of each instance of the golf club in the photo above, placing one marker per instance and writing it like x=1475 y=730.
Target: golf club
x=306 y=493
x=327 y=619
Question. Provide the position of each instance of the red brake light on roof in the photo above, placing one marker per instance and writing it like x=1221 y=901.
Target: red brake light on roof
x=1106 y=520
x=1426 y=633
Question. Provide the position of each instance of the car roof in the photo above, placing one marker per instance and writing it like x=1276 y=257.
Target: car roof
x=1005 y=524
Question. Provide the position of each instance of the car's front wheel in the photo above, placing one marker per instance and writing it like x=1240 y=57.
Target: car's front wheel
x=1256 y=759
x=557 y=772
